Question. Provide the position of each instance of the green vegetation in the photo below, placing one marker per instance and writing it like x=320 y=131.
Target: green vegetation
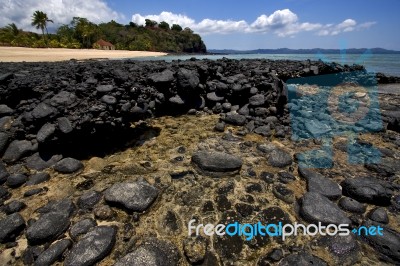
x=82 y=33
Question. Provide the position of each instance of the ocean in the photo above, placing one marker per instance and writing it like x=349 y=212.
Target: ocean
x=389 y=64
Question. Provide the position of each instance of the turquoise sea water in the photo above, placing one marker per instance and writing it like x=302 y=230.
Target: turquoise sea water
x=388 y=64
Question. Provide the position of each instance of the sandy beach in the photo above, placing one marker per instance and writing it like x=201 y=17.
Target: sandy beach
x=20 y=54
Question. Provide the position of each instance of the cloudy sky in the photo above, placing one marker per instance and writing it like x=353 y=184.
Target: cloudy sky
x=227 y=24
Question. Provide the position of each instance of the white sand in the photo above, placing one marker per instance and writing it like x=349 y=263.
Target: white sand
x=19 y=54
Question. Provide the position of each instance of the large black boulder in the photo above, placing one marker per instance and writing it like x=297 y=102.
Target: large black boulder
x=317 y=208
x=368 y=190
x=134 y=196
x=217 y=163
x=93 y=247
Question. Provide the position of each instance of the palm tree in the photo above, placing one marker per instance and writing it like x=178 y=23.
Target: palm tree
x=12 y=29
x=40 y=19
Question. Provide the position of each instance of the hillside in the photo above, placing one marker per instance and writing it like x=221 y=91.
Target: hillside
x=81 y=33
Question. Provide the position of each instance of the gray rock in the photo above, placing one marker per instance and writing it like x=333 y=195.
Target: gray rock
x=176 y=100
x=317 y=208
x=5 y=110
x=63 y=99
x=68 y=166
x=4 y=194
x=48 y=227
x=302 y=259
x=13 y=206
x=42 y=110
x=379 y=215
x=81 y=228
x=235 y=119
x=212 y=96
x=38 y=178
x=152 y=252
x=187 y=79
x=279 y=158
x=134 y=196
x=257 y=100
x=45 y=132
x=39 y=163
x=93 y=247
x=108 y=99
x=64 y=125
x=65 y=206
x=351 y=205
x=4 y=138
x=220 y=127
x=89 y=199
x=367 y=190
x=387 y=244
x=263 y=131
x=164 y=78
x=16 y=180
x=5 y=123
x=217 y=162
x=105 y=88
x=17 y=150
x=244 y=110
x=320 y=184
x=3 y=173
x=10 y=227
x=53 y=253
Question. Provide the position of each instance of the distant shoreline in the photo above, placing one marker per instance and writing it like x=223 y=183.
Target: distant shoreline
x=22 y=54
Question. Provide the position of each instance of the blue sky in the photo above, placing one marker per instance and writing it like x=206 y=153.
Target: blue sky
x=249 y=24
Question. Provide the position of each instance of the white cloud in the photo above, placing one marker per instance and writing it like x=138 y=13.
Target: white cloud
x=60 y=11
x=347 y=25
x=281 y=22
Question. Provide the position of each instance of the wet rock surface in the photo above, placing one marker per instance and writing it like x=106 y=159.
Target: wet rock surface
x=94 y=170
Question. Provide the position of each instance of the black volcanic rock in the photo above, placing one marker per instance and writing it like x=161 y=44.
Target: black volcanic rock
x=217 y=162
x=320 y=184
x=187 y=79
x=317 y=208
x=48 y=227
x=93 y=247
x=164 y=78
x=134 y=196
x=68 y=165
x=42 y=110
x=367 y=190
x=235 y=119
x=11 y=226
x=17 y=150
x=53 y=253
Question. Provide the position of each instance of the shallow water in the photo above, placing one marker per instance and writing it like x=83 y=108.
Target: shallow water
x=388 y=64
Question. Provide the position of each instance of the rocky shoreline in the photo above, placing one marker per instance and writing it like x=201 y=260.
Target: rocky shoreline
x=126 y=153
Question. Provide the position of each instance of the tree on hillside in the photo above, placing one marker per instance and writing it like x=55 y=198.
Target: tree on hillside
x=12 y=29
x=163 y=25
x=176 y=27
x=9 y=33
x=40 y=20
x=150 y=23
x=85 y=31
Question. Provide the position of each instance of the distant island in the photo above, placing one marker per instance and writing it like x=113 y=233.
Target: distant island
x=82 y=33
x=304 y=51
